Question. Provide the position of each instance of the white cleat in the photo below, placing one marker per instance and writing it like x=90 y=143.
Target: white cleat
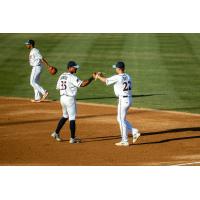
x=35 y=101
x=135 y=137
x=44 y=96
x=134 y=131
x=125 y=144
x=56 y=136
x=74 y=140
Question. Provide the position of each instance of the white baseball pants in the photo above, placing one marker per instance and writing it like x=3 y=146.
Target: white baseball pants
x=34 y=81
x=68 y=107
x=125 y=127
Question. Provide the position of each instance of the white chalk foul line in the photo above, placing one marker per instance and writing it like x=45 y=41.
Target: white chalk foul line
x=185 y=164
x=114 y=106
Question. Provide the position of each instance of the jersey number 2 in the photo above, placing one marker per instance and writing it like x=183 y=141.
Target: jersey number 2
x=127 y=86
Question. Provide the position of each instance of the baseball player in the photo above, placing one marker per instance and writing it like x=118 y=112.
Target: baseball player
x=123 y=90
x=68 y=84
x=36 y=62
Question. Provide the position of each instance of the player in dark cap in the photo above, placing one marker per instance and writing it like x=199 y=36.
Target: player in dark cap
x=36 y=61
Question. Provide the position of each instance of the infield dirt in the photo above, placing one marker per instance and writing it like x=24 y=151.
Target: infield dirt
x=167 y=138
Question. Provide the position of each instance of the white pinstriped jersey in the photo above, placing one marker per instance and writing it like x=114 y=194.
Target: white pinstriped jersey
x=68 y=84
x=122 y=84
x=35 y=57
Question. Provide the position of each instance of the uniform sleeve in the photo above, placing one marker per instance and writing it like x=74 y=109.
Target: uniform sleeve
x=76 y=81
x=111 y=80
x=58 y=84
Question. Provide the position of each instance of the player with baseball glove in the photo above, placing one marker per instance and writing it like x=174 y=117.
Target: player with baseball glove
x=36 y=61
x=68 y=84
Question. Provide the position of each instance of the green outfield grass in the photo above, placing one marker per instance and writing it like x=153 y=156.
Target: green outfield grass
x=165 y=67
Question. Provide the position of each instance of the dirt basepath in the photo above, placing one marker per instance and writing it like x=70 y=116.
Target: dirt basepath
x=168 y=138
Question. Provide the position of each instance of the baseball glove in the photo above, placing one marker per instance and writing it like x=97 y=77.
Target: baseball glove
x=52 y=70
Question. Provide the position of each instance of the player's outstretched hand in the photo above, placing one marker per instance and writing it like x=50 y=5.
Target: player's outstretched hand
x=99 y=74
x=94 y=75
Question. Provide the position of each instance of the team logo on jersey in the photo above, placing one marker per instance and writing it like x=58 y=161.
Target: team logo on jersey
x=63 y=77
x=124 y=78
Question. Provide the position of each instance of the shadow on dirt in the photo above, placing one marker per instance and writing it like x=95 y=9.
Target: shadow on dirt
x=169 y=140
x=98 y=139
x=114 y=97
x=176 y=130
x=51 y=119
x=103 y=138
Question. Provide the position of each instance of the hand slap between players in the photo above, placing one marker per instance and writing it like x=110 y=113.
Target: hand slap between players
x=98 y=74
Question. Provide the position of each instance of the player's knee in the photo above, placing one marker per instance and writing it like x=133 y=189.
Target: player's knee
x=72 y=117
x=121 y=120
x=32 y=83
x=65 y=115
x=118 y=119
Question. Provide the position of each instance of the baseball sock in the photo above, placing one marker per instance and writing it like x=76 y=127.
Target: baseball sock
x=72 y=128
x=60 y=124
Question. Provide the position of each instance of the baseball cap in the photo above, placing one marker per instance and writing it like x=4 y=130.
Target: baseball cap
x=30 y=42
x=119 y=64
x=73 y=64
